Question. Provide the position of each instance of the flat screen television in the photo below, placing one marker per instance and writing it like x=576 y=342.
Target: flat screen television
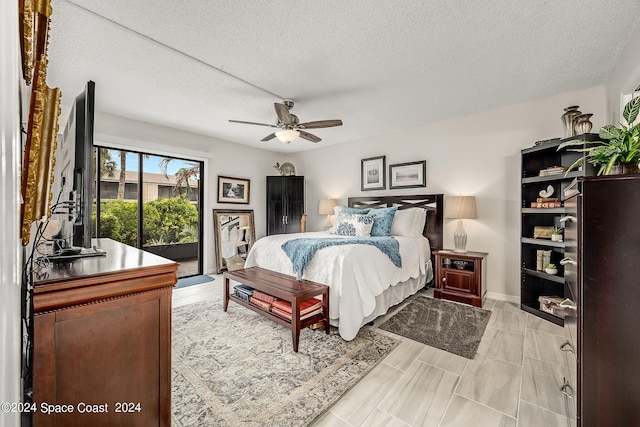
x=74 y=181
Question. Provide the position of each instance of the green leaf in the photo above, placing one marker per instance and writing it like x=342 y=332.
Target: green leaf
x=631 y=110
x=609 y=132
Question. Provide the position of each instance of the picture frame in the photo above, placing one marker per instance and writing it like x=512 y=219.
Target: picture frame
x=233 y=190
x=40 y=151
x=408 y=175
x=373 y=173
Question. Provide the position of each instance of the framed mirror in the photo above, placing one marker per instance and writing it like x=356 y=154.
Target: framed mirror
x=234 y=232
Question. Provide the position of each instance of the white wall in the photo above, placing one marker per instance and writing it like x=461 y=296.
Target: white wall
x=476 y=155
x=10 y=254
x=220 y=158
x=625 y=77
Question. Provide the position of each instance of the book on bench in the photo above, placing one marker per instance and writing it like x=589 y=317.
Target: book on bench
x=287 y=315
x=263 y=297
x=266 y=306
x=306 y=307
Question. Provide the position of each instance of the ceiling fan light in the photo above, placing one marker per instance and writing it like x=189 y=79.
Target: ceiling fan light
x=287 y=135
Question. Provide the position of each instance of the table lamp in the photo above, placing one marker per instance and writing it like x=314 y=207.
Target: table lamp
x=326 y=208
x=460 y=207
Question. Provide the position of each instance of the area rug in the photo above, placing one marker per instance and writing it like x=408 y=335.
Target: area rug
x=193 y=280
x=452 y=327
x=238 y=368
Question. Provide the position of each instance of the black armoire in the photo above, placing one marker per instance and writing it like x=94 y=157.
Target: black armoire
x=602 y=267
x=285 y=204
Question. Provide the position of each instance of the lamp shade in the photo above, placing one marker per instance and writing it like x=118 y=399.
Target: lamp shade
x=326 y=206
x=287 y=135
x=244 y=221
x=460 y=207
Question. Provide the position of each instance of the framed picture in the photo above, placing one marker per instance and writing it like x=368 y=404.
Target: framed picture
x=233 y=190
x=408 y=175
x=372 y=174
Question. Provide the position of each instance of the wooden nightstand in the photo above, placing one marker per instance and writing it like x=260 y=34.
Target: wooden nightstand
x=460 y=276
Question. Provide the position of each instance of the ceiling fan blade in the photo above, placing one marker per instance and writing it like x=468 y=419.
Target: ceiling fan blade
x=269 y=137
x=308 y=136
x=252 y=123
x=320 y=124
x=283 y=113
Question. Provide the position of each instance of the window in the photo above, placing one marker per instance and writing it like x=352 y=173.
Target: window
x=153 y=203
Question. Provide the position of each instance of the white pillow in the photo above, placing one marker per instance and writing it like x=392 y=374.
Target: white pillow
x=409 y=222
x=421 y=221
x=356 y=225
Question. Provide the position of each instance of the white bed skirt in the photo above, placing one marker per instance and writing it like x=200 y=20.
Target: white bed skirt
x=395 y=294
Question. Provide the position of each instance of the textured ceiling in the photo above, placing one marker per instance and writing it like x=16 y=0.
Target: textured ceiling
x=378 y=65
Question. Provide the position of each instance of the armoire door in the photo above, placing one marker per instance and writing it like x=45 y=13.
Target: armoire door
x=285 y=204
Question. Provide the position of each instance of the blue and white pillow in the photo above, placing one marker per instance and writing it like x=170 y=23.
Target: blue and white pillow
x=383 y=221
x=355 y=225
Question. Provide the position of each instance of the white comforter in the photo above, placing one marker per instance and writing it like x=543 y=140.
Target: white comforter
x=356 y=274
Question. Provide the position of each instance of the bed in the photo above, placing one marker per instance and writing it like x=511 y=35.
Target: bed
x=364 y=283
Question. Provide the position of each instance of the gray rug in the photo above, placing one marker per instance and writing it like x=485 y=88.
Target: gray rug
x=193 y=280
x=452 y=327
x=238 y=368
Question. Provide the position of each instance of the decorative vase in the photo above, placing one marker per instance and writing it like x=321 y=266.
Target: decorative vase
x=556 y=237
x=551 y=270
x=568 y=117
x=631 y=167
x=582 y=124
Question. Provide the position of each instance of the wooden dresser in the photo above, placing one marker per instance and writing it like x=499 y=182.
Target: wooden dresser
x=601 y=267
x=102 y=340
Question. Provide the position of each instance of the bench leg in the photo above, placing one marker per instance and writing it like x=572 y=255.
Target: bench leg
x=295 y=324
x=225 y=300
x=325 y=308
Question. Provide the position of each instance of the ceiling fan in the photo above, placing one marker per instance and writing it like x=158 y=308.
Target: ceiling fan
x=289 y=125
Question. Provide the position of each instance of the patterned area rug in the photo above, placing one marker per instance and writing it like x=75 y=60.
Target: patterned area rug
x=238 y=368
x=452 y=327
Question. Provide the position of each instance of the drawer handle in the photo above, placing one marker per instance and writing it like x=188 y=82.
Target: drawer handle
x=444 y=279
x=567 y=218
x=567 y=260
x=567 y=346
x=566 y=389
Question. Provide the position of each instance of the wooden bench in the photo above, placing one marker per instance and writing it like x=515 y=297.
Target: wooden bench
x=283 y=287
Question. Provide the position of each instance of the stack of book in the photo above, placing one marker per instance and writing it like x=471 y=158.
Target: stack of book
x=546 y=203
x=553 y=170
x=262 y=300
x=308 y=308
x=243 y=292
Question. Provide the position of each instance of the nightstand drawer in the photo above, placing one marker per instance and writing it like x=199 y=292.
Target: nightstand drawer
x=460 y=281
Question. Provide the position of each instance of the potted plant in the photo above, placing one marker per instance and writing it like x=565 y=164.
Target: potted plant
x=556 y=234
x=618 y=145
x=551 y=269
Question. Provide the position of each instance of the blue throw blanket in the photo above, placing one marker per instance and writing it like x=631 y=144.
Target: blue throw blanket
x=301 y=251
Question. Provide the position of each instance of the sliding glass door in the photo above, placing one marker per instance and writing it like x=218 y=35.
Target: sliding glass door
x=153 y=203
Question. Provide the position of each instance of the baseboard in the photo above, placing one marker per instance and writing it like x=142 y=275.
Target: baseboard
x=503 y=297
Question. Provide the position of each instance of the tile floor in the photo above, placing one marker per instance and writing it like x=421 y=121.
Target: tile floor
x=513 y=381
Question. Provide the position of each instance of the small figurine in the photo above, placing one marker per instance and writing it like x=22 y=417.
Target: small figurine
x=286 y=169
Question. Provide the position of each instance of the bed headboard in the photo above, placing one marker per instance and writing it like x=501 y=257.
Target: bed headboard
x=433 y=203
